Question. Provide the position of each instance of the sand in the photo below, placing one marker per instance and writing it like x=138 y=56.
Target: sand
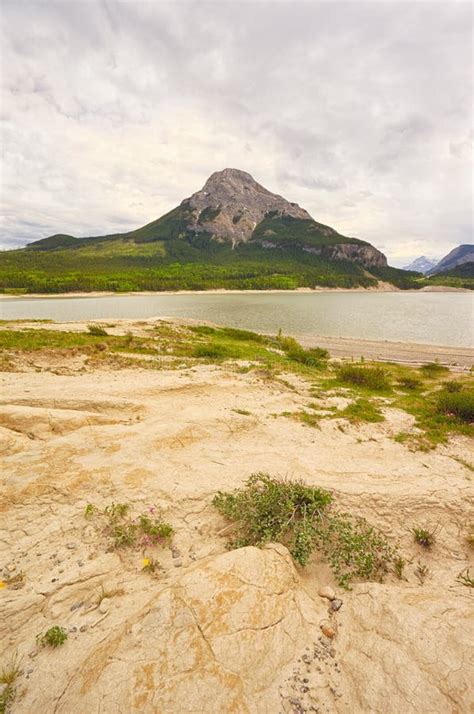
x=212 y=630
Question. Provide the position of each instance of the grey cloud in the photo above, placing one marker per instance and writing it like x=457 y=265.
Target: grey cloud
x=114 y=111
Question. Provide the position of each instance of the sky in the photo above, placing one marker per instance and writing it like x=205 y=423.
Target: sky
x=113 y=112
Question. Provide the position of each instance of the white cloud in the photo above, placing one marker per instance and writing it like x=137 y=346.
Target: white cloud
x=112 y=113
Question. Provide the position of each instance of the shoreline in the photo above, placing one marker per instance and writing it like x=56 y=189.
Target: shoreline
x=384 y=288
x=457 y=358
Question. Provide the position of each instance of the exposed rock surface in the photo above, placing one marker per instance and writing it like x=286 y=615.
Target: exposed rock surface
x=237 y=204
x=238 y=631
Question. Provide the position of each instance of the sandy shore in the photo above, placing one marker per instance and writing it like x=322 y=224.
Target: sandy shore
x=245 y=630
x=457 y=358
x=382 y=287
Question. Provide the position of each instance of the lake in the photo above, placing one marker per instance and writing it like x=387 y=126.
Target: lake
x=430 y=318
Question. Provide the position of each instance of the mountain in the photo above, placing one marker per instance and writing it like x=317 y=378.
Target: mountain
x=233 y=233
x=421 y=264
x=232 y=207
x=458 y=256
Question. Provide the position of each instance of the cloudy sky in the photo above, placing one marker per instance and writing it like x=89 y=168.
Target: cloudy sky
x=113 y=112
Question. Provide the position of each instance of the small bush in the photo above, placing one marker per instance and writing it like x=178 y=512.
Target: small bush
x=359 y=411
x=433 y=369
x=452 y=386
x=302 y=518
x=54 y=637
x=312 y=357
x=210 y=352
x=370 y=377
x=457 y=404
x=423 y=536
x=409 y=383
x=244 y=335
x=96 y=330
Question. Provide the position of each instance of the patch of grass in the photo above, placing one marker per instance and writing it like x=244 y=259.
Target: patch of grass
x=459 y=404
x=423 y=536
x=8 y=676
x=374 y=378
x=54 y=637
x=124 y=531
x=302 y=517
x=213 y=352
x=359 y=411
x=409 y=383
x=399 y=566
x=433 y=369
x=452 y=386
x=312 y=357
x=243 y=412
x=96 y=330
x=422 y=572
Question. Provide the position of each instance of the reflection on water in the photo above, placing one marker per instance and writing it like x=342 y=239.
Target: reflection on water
x=432 y=318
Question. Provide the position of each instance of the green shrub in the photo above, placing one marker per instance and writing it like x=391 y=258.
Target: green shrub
x=433 y=369
x=409 y=383
x=452 y=386
x=96 y=330
x=8 y=676
x=312 y=357
x=457 y=404
x=370 y=377
x=244 y=335
x=210 y=352
x=54 y=637
x=303 y=519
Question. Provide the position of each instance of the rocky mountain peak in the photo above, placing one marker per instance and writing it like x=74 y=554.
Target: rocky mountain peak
x=231 y=203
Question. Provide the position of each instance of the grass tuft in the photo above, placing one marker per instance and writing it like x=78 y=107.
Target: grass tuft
x=375 y=378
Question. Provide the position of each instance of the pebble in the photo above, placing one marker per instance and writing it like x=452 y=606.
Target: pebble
x=83 y=628
x=104 y=605
x=336 y=605
x=178 y=563
x=328 y=631
x=71 y=546
x=176 y=553
x=327 y=592
x=76 y=606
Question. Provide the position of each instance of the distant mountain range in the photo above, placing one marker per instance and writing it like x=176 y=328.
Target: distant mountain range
x=233 y=233
x=463 y=255
x=421 y=264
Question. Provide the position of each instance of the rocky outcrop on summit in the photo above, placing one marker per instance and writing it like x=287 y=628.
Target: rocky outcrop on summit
x=233 y=207
x=231 y=204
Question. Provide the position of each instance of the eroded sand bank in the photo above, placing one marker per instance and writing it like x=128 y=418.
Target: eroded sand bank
x=214 y=630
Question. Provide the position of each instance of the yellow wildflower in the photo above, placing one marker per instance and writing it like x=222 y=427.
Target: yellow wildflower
x=2 y=584
x=145 y=562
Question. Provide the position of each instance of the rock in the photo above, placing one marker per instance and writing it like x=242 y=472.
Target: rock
x=83 y=628
x=177 y=563
x=71 y=546
x=175 y=553
x=327 y=630
x=327 y=592
x=104 y=605
x=336 y=604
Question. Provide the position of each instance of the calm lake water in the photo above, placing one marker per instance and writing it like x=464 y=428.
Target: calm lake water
x=431 y=318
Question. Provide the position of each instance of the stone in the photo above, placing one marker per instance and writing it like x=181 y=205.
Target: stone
x=327 y=630
x=327 y=592
x=336 y=604
x=104 y=605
